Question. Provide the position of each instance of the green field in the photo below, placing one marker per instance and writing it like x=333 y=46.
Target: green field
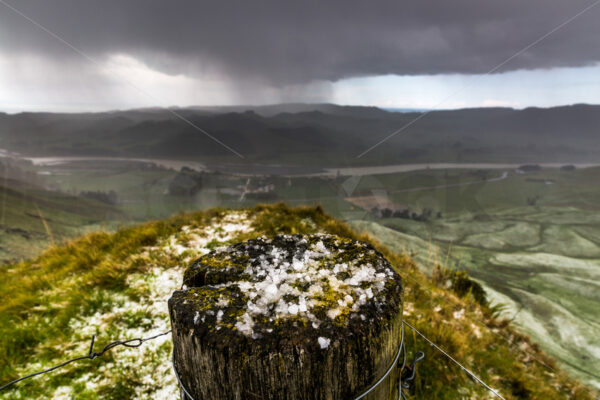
x=533 y=240
x=541 y=261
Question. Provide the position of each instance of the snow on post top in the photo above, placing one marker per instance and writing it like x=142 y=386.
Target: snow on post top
x=315 y=287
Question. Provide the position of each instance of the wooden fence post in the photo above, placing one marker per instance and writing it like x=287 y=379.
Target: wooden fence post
x=289 y=317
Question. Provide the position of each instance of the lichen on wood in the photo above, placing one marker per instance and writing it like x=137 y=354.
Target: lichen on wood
x=288 y=317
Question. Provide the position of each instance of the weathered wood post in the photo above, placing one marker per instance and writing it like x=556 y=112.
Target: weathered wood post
x=289 y=317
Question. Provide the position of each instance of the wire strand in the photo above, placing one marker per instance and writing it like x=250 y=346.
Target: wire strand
x=389 y=370
x=132 y=343
x=481 y=382
x=483 y=324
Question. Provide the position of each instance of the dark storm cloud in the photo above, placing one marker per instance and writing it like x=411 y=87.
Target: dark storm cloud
x=284 y=42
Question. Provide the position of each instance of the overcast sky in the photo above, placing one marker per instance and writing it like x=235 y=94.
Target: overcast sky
x=423 y=54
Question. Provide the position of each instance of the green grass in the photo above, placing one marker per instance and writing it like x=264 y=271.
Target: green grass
x=49 y=306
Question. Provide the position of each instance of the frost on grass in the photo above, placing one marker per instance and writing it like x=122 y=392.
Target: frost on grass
x=192 y=242
x=313 y=282
x=138 y=311
x=137 y=316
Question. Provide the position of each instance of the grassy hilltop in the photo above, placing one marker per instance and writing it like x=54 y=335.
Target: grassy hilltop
x=115 y=286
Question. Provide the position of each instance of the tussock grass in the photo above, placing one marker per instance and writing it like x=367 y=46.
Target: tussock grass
x=44 y=301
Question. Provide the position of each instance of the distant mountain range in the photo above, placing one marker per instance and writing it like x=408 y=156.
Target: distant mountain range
x=314 y=134
x=406 y=110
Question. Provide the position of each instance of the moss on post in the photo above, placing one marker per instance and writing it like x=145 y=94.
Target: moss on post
x=288 y=317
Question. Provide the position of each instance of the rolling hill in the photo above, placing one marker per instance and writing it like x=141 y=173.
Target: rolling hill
x=116 y=286
x=325 y=135
x=31 y=218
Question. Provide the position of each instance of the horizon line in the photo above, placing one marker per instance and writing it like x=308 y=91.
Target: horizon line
x=390 y=109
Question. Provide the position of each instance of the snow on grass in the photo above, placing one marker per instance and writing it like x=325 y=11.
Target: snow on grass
x=459 y=314
x=63 y=393
x=129 y=318
x=192 y=242
x=141 y=311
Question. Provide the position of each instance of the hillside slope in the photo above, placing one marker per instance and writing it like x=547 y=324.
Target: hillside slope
x=32 y=217
x=116 y=286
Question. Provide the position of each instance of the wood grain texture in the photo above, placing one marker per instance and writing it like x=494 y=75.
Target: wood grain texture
x=283 y=359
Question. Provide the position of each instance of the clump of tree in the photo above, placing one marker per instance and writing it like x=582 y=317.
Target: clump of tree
x=109 y=197
x=187 y=182
x=425 y=215
x=532 y=201
x=569 y=167
x=459 y=282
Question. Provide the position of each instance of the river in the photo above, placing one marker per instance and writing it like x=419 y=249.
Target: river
x=292 y=171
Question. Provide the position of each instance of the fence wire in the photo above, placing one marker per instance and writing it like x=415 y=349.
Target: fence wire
x=403 y=382
x=137 y=342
